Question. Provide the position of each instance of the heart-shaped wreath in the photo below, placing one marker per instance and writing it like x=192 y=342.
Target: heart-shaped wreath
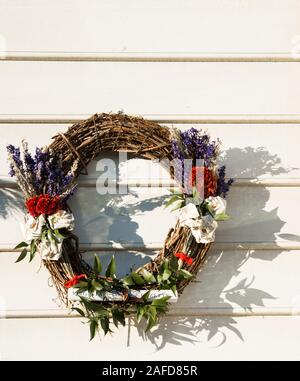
x=48 y=180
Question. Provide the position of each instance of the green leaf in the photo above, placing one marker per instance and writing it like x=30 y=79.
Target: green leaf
x=173 y=199
x=21 y=256
x=21 y=244
x=180 y=205
x=111 y=268
x=115 y=320
x=118 y=317
x=44 y=234
x=145 y=297
x=159 y=278
x=196 y=196
x=162 y=308
x=151 y=323
x=186 y=274
x=222 y=217
x=166 y=275
x=31 y=257
x=209 y=209
x=161 y=301
x=137 y=279
x=128 y=281
x=79 y=311
x=165 y=286
x=90 y=306
x=149 y=277
x=97 y=286
x=165 y=265
x=97 y=265
x=173 y=263
x=140 y=311
x=81 y=284
x=104 y=321
x=93 y=329
x=90 y=287
x=174 y=289
x=52 y=236
x=32 y=250
x=80 y=290
x=152 y=312
x=59 y=234
x=49 y=235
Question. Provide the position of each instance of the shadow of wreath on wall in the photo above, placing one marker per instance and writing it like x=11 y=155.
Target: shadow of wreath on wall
x=10 y=202
x=220 y=284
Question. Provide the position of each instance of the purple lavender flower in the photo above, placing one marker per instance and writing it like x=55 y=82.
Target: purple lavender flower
x=199 y=146
x=195 y=146
x=43 y=171
x=29 y=162
x=223 y=186
x=11 y=172
x=15 y=152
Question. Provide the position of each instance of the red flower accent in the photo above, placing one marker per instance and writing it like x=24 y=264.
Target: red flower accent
x=74 y=280
x=184 y=258
x=43 y=204
x=200 y=175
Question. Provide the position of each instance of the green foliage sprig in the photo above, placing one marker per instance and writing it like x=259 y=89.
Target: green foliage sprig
x=101 y=315
x=31 y=247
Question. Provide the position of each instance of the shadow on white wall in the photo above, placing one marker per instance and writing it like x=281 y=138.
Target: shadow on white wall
x=217 y=274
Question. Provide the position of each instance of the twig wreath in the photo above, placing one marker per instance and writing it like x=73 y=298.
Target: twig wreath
x=48 y=180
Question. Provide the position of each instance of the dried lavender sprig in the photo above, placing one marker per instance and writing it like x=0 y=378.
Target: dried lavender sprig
x=198 y=145
x=195 y=145
x=42 y=173
x=22 y=181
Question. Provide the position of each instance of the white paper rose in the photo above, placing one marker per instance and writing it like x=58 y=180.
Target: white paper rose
x=61 y=219
x=217 y=204
x=50 y=249
x=202 y=228
x=188 y=213
x=33 y=227
x=206 y=231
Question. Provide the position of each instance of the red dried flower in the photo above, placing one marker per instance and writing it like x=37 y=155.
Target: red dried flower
x=31 y=206
x=73 y=281
x=43 y=204
x=188 y=260
x=203 y=174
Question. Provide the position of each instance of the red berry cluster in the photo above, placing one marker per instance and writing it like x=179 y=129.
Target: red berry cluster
x=76 y=279
x=43 y=204
x=185 y=258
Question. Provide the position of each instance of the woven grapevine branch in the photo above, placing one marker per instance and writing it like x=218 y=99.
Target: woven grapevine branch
x=48 y=180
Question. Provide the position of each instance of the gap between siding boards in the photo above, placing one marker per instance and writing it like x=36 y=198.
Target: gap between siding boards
x=6 y=182
x=159 y=118
x=224 y=246
x=179 y=312
x=149 y=56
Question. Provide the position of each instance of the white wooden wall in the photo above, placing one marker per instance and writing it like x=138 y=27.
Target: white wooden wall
x=230 y=66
